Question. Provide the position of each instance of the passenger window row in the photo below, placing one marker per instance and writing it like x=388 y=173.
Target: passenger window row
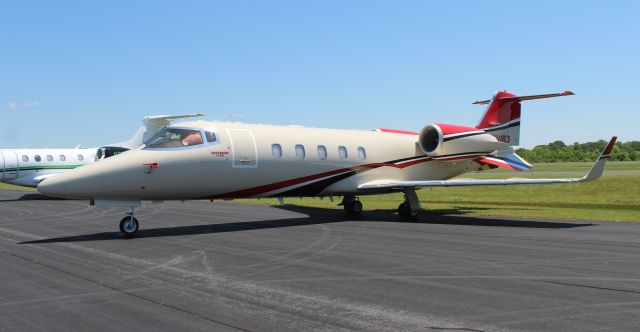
x=276 y=152
x=49 y=157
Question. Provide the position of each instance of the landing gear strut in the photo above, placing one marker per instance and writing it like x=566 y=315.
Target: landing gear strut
x=129 y=224
x=352 y=204
x=410 y=208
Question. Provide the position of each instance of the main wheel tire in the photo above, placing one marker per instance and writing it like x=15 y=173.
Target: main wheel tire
x=356 y=207
x=129 y=226
x=353 y=207
x=405 y=211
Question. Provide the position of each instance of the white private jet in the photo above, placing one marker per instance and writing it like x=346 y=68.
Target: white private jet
x=28 y=167
x=225 y=160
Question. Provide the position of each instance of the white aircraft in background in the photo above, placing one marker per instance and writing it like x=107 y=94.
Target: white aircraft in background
x=225 y=160
x=28 y=167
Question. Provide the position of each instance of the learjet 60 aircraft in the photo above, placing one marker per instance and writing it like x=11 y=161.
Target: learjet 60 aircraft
x=226 y=160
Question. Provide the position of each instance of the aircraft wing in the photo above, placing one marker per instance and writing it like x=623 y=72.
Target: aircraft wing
x=595 y=173
x=151 y=124
x=169 y=118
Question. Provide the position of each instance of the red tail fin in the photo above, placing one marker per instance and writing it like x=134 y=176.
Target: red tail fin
x=502 y=117
x=499 y=111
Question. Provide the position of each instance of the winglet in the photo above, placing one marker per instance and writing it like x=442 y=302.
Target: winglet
x=598 y=168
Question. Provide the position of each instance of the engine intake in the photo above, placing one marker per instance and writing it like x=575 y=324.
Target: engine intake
x=430 y=139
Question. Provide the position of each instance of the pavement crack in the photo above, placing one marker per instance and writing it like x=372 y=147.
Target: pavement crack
x=122 y=291
x=465 y=329
x=589 y=286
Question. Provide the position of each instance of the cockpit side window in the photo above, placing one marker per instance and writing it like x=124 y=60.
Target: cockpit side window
x=175 y=138
x=211 y=136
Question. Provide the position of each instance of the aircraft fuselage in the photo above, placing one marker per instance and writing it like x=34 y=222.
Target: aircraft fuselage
x=248 y=160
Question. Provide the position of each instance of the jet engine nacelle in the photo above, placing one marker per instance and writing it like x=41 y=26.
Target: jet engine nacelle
x=443 y=139
x=109 y=151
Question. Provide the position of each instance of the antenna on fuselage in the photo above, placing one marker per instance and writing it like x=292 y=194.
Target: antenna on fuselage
x=230 y=116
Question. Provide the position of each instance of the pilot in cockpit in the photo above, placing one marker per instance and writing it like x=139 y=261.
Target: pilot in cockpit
x=191 y=138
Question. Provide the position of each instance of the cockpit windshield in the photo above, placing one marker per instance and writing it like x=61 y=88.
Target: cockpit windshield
x=175 y=138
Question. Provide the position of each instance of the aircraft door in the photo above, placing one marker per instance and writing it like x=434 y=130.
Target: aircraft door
x=10 y=165
x=244 y=153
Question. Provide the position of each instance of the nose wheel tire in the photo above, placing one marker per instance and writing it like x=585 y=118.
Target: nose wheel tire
x=128 y=226
x=406 y=212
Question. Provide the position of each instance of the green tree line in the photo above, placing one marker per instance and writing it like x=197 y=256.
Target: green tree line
x=558 y=151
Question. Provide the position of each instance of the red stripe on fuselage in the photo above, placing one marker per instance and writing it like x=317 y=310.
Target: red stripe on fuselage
x=250 y=192
x=397 y=131
x=448 y=129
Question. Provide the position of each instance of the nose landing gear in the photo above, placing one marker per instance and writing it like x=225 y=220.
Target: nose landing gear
x=129 y=224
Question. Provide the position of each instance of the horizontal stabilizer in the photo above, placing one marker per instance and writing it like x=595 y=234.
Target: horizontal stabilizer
x=595 y=172
x=523 y=98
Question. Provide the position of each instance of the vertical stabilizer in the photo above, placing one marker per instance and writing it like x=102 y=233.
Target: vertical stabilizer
x=502 y=115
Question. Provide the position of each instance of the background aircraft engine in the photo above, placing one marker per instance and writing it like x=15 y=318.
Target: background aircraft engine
x=443 y=139
x=109 y=151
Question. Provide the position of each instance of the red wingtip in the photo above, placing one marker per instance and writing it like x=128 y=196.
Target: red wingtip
x=610 y=146
x=568 y=93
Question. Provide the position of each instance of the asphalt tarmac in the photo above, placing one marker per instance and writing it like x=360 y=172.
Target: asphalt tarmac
x=225 y=266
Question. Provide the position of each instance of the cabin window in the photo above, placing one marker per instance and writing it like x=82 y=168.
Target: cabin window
x=342 y=152
x=25 y=158
x=49 y=157
x=37 y=158
x=362 y=153
x=80 y=157
x=300 y=151
x=62 y=157
x=276 y=151
x=175 y=138
x=211 y=136
x=322 y=152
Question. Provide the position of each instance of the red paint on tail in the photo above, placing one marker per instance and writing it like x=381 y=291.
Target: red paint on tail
x=502 y=109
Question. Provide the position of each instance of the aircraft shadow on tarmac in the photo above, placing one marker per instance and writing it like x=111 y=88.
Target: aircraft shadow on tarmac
x=316 y=216
x=34 y=197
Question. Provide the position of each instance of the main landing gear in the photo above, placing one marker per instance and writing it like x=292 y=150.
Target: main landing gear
x=410 y=208
x=129 y=224
x=352 y=205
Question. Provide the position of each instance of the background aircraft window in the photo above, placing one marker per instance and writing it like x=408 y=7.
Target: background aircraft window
x=322 y=152
x=362 y=153
x=37 y=158
x=300 y=151
x=25 y=158
x=80 y=157
x=49 y=157
x=276 y=151
x=174 y=138
x=342 y=152
x=211 y=136
x=62 y=157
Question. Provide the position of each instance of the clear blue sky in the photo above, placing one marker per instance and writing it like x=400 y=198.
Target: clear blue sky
x=86 y=72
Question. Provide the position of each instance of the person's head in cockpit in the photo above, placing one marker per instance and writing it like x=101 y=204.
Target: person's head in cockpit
x=191 y=138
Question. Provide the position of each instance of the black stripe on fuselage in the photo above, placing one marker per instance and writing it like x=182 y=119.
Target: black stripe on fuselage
x=461 y=136
x=315 y=188
x=500 y=127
